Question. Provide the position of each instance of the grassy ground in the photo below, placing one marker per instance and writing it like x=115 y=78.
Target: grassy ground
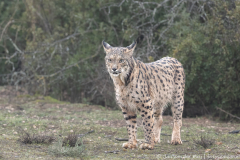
x=44 y=115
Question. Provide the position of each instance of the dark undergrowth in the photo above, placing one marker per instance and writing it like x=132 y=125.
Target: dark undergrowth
x=204 y=141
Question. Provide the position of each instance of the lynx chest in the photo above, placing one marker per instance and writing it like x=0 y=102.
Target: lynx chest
x=130 y=96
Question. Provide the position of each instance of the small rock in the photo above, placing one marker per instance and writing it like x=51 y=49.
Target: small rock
x=238 y=151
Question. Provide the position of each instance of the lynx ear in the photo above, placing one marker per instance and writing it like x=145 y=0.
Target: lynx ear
x=129 y=49
x=106 y=46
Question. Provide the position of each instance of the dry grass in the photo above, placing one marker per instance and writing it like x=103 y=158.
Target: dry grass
x=27 y=137
x=65 y=147
x=39 y=115
x=204 y=141
x=71 y=140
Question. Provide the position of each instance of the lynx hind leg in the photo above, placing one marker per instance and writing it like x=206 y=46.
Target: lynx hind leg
x=158 y=120
x=177 y=110
x=178 y=103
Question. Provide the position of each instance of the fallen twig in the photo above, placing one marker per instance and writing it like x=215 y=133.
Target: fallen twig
x=234 y=132
x=121 y=139
x=81 y=135
x=163 y=134
x=228 y=113
x=91 y=131
x=115 y=152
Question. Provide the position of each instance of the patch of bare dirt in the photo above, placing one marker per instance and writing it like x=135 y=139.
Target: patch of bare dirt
x=187 y=122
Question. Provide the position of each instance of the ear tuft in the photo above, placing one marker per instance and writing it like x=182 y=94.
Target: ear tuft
x=106 y=46
x=132 y=46
x=129 y=49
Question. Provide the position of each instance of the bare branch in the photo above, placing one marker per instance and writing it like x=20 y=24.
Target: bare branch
x=4 y=29
x=72 y=65
x=228 y=113
x=15 y=46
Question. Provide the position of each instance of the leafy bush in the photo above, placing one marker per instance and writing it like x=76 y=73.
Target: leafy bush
x=209 y=52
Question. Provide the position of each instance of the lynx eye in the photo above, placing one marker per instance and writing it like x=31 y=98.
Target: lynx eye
x=121 y=60
x=109 y=60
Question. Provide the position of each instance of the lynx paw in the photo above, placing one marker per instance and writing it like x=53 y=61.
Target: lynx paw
x=129 y=145
x=176 y=141
x=146 y=146
x=157 y=140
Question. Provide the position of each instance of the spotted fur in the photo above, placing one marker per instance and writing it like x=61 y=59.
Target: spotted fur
x=148 y=88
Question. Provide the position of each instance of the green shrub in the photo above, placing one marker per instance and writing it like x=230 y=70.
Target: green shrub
x=58 y=149
x=209 y=52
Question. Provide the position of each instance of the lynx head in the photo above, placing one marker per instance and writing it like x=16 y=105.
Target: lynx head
x=119 y=60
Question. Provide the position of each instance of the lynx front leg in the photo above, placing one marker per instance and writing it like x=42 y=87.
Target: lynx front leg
x=157 y=124
x=147 y=118
x=130 y=118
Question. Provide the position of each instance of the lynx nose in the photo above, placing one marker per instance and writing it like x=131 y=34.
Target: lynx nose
x=114 y=69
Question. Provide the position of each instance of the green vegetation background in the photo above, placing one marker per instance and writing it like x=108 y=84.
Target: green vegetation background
x=54 y=47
